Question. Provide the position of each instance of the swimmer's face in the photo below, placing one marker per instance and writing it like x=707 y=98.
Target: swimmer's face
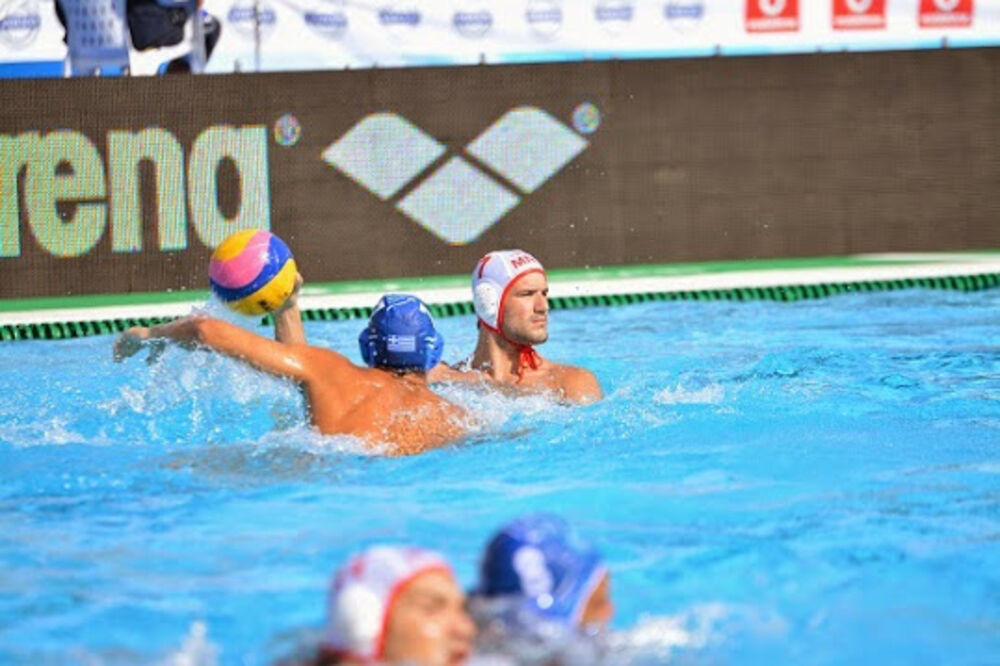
x=599 y=608
x=428 y=624
x=526 y=310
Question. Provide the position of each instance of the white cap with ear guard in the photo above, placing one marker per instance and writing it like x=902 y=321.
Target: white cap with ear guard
x=363 y=593
x=493 y=277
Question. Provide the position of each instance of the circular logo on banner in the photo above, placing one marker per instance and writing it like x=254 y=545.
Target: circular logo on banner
x=946 y=5
x=399 y=18
x=245 y=18
x=859 y=6
x=19 y=22
x=684 y=16
x=771 y=7
x=613 y=15
x=327 y=18
x=586 y=118
x=287 y=130
x=472 y=19
x=544 y=17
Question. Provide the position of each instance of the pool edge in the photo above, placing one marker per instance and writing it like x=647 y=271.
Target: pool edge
x=780 y=280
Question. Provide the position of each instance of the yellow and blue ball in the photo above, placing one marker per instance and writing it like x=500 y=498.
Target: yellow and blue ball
x=252 y=272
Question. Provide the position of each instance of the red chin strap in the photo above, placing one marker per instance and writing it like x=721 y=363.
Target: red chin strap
x=527 y=357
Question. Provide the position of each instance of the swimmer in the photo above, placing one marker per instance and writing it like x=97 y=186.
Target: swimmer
x=386 y=403
x=544 y=595
x=396 y=605
x=511 y=296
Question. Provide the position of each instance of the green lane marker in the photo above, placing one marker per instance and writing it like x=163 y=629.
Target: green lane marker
x=787 y=293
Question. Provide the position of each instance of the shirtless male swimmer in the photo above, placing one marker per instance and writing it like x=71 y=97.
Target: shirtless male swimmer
x=388 y=403
x=510 y=292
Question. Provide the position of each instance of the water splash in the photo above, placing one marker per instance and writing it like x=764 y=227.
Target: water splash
x=195 y=650
x=711 y=394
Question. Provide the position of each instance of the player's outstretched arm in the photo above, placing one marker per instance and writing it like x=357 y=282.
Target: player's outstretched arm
x=276 y=358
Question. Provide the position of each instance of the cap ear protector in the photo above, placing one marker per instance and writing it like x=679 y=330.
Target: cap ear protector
x=486 y=301
x=368 y=343
x=493 y=276
x=435 y=347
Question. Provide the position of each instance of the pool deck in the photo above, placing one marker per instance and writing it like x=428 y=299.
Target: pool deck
x=564 y=283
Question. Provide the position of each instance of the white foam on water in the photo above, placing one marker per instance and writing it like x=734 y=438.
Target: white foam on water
x=656 y=639
x=710 y=394
x=307 y=439
x=195 y=650
x=491 y=409
x=52 y=432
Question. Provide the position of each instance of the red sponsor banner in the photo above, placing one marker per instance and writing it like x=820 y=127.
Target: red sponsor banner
x=772 y=15
x=945 y=13
x=858 y=14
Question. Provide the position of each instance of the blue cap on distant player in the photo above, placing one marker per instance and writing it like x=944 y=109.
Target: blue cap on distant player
x=401 y=335
x=539 y=558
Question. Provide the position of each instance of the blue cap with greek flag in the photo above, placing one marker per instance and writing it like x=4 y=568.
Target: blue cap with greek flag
x=401 y=335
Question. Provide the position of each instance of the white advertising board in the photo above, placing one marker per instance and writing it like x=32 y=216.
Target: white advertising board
x=276 y=35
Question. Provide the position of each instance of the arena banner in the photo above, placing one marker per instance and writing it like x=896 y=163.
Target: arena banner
x=281 y=35
x=125 y=185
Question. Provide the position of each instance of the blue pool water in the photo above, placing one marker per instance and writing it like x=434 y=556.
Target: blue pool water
x=809 y=483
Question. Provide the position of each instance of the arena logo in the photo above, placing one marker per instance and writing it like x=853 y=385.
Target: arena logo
x=544 y=17
x=858 y=14
x=946 y=13
x=684 y=16
x=250 y=19
x=772 y=15
x=327 y=18
x=614 y=15
x=69 y=202
x=19 y=23
x=459 y=200
x=472 y=20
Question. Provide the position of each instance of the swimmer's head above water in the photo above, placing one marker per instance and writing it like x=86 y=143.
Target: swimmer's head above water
x=535 y=569
x=510 y=295
x=401 y=336
x=392 y=604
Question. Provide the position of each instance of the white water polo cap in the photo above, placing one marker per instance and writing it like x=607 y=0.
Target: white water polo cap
x=493 y=277
x=363 y=593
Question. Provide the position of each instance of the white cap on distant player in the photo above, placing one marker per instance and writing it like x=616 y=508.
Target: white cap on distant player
x=493 y=277
x=363 y=594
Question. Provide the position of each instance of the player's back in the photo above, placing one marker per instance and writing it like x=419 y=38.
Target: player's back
x=381 y=407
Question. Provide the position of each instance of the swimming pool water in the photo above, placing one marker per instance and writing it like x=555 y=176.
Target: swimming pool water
x=808 y=483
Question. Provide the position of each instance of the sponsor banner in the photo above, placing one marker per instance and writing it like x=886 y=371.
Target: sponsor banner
x=772 y=15
x=275 y=35
x=859 y=14
x=420 y=171
x=946 y=13
x=29 y=31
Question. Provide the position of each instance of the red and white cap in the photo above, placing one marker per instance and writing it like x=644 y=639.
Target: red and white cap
x=363 y=593
x=493 y=277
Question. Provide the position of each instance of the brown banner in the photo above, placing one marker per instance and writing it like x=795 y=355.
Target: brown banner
x=118 y=185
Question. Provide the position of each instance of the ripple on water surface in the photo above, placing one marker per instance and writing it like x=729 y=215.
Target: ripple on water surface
x=796 y=483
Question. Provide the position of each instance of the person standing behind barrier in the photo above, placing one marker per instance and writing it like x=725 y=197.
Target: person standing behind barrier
x=543 y=596
x=155 y=24
x=396 y=605
x=510 y=292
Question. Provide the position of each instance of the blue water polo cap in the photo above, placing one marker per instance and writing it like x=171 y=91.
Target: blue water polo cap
x=401 y=335
x=539 y=558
